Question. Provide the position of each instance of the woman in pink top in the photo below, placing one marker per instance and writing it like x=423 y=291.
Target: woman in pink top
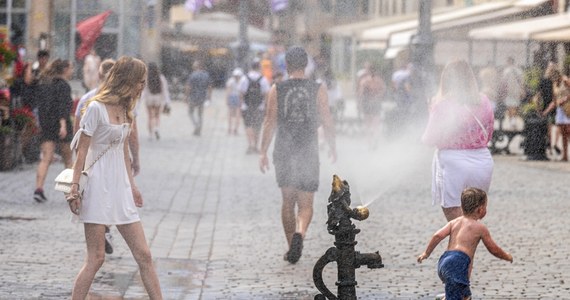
x=460 y=126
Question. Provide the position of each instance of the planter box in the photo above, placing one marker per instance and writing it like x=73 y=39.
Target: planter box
x=7 y=152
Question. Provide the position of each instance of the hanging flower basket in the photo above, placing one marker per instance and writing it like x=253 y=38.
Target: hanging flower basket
x=23 y=118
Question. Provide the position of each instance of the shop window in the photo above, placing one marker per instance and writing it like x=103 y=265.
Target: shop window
x=15 y=3
x=325 y=5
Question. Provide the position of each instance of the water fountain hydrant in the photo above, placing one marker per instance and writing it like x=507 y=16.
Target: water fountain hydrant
x=343 y=253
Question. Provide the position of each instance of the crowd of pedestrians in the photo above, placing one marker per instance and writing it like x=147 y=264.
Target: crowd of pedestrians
x=296 y=99
x=388 y=102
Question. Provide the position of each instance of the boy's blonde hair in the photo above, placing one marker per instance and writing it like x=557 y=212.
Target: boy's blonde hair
x=471 y=199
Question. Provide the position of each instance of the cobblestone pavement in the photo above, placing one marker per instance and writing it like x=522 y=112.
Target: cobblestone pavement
x=212 y=221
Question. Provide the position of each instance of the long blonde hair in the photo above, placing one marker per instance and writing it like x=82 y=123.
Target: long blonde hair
x=119 y=85
x=459 y=82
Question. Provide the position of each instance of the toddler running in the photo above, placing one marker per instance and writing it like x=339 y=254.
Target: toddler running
x=465 y=232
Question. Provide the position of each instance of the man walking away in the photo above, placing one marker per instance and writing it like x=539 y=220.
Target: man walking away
x=254 y=89
x=513 y=91
x=296 y=107
x=198 y=90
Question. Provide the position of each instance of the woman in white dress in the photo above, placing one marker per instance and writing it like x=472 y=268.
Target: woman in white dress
x=111 y=196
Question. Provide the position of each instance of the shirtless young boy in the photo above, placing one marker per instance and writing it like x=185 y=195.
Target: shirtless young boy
x=455 y=264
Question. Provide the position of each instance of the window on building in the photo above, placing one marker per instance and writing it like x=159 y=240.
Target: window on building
x=325 y=5
x=18 y=20
x=345 y=8
x=15 y=3
x=365 y=9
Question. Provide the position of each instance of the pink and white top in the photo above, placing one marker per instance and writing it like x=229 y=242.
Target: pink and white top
x=453 y=125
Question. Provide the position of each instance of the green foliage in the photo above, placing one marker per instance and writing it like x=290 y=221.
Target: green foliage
x=7 y=53
x=5 y=130
x=374 y=57
x=532 y=78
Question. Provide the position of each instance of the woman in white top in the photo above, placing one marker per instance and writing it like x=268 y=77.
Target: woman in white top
x=156 y=97
x=232 y=100
x=110 y=196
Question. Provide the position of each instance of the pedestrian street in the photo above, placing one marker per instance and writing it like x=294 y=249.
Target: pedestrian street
x=213 y=223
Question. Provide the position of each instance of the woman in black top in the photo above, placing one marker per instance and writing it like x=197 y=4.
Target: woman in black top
x=546 y=90
x=54 y=110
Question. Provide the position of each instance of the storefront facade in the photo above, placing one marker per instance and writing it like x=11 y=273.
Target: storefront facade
x=51 y=24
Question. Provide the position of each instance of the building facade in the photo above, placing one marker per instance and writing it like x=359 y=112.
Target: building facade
x=51 y=25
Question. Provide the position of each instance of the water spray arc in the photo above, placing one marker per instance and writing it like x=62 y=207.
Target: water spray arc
x=348 y=260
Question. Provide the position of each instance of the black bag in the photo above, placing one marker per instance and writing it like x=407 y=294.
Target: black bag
x=253 y=96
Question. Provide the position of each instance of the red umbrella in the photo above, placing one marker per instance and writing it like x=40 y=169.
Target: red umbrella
x=89 y=30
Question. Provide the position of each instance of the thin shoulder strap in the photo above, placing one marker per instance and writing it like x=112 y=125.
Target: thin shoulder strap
x=101 y=154
x=479 y=122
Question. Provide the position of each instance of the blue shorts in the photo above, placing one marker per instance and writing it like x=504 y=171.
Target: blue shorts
x=233 y=101
x=453 y=270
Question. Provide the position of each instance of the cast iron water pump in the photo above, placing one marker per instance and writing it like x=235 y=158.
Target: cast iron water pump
x=343 y=253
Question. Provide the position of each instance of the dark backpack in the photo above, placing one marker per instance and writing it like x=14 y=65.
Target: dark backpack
x=253 y=96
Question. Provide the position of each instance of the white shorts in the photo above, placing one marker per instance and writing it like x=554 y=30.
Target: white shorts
x=455 y=170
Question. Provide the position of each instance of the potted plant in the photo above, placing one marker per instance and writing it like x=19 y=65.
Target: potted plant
x=7 y=52
x=6 y=133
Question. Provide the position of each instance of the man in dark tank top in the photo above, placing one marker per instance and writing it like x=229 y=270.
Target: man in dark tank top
x=296 y=108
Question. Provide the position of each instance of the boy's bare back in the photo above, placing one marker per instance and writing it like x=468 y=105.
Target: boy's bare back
x=464 y=234
x=466 y=231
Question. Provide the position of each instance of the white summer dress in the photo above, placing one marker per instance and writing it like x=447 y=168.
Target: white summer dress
x=107 y=197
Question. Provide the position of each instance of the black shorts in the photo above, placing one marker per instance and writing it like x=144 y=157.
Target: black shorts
x=297 y=173
x=51 y=133
x=253 y=118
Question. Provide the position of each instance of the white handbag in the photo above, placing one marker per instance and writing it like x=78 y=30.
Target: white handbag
x=64 y=179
